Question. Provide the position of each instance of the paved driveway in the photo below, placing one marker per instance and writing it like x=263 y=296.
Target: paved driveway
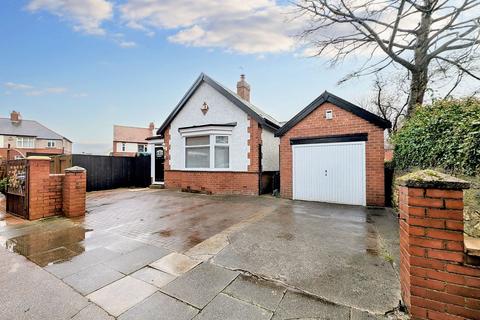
x=158 y=254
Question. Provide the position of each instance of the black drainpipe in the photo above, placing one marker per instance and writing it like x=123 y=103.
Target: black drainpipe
x=260 y=169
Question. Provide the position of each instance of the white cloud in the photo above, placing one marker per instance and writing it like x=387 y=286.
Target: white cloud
x=243 y=26
x=46 y=91
x=127 y=44
x=30 y=90
x=17 y=86
x=85 y=15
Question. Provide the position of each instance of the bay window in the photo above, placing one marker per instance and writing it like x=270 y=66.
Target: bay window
x=207 y=152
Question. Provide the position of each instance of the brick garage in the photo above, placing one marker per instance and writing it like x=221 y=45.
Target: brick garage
x=348 y=122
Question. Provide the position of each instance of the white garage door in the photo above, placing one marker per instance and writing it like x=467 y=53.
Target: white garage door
x=330 y=172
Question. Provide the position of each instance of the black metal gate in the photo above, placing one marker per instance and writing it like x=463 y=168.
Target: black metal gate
x=17 y=187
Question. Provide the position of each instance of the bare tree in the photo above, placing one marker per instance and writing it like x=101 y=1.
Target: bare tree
x=421 y=36
x=389 y=99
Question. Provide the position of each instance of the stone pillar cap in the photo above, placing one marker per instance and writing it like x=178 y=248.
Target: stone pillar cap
x=432 y=179
x=75 y=169
x=38 y=158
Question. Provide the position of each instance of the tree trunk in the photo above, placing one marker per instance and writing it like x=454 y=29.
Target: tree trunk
x=418 y=87
x=419 y=82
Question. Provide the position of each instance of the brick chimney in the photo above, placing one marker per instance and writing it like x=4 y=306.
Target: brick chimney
x=15 y=116
x=243 y=88
x=151 y=126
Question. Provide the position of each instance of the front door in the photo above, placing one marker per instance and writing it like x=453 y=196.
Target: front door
x=159 y=160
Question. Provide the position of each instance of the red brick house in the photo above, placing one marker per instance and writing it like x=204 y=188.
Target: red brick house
x=216 y=141
x=29 y=137
x=333 y=151
x=130 y=141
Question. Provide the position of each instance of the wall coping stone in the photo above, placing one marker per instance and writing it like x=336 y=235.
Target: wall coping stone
x=38 y=158
x=472 y=246
x=432 y=179
x=75 y=169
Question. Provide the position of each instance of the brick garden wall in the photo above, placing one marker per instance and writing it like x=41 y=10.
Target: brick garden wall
x=343 y=122
x=55 y=194
x=436 y=282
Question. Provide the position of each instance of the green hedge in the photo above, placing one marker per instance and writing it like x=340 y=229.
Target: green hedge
x=445 y=134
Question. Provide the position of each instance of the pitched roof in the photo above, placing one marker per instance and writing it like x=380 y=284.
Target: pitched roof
x=260 y=116
x=339 y=102
x=130 y=134
x=28 y=128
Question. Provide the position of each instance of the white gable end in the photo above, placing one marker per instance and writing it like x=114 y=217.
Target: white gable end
x=220 y=111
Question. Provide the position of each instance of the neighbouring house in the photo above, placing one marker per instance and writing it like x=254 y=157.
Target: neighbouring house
x=333 y=151
x=216 y=141
x=29 y=137
x=130 y=141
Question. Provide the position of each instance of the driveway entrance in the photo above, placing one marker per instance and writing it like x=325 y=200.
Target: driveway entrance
x=158 y=254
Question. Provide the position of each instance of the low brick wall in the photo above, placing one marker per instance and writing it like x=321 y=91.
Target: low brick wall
x=245 y=183
x=436 y=281
x=54 y=194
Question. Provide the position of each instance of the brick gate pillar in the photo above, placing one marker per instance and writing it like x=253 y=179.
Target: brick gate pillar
x=38 y=178
x=74 y=192
x=436 y=281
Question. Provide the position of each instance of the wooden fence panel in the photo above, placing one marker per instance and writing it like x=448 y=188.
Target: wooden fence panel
x=107 y=172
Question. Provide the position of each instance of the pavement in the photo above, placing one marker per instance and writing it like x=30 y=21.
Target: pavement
x=160 y=254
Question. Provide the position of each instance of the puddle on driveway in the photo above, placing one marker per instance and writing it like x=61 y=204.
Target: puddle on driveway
x=50 y=246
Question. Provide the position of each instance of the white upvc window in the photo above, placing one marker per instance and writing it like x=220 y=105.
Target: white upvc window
x=142 y=148
x=51 y=144
x=207 y=152
x=25 y=142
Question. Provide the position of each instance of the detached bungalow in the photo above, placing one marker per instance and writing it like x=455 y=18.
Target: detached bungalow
x=216 y=141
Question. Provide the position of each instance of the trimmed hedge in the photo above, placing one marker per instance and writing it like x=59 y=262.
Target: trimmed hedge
x=445 y=134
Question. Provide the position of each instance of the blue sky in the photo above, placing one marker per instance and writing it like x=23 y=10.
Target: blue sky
x=79 y=69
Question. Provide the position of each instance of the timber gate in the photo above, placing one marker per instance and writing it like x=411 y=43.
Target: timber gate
x=17 y=187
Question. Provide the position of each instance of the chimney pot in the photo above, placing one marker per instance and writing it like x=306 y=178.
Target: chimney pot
x=243 y=88
x=151 y=126
x=15 y=116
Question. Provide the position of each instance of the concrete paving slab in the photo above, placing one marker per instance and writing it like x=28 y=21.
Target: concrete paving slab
x=29 y=292
x=124 y=245
x=92 y=312
x=153 y=276
x=92 y=278
x=159 y=306
x=224 y=307
x=333 y=251
x=299 y=306
x=78 y=263
x=175 y=264
x=136 y=259
x=256 y=291
x=119 y=296
x=200 y=285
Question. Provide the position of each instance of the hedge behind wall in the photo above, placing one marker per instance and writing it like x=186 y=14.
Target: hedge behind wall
x=445 y=134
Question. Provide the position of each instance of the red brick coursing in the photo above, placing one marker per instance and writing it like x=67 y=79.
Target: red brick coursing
x=213 y=182
x=435 y=281
x=343 y=122
x=74 y=194
x=222 y=182
x=54 y=194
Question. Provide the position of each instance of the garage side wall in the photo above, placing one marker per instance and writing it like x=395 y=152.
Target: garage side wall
x=343 y=122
